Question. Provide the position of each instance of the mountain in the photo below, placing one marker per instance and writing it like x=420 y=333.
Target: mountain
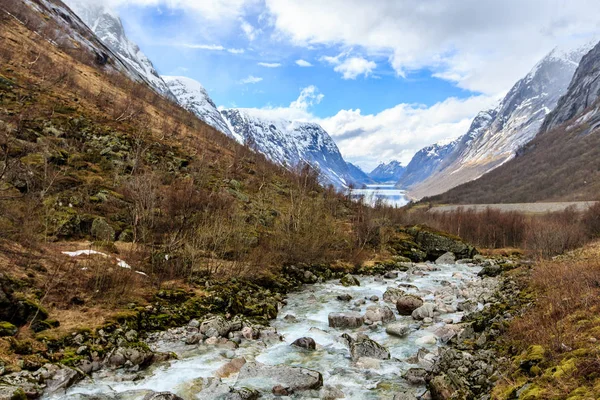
x=424 y=163
x=359 y=177
x=192 y=96
x=108 y=27
x=390 y=172
x=562 y=163
x=290 y=143
x=496 y=135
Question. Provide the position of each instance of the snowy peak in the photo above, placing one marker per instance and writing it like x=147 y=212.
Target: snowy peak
x=107 y=25
x=390 y=172
x=359 y=177
x=425 y=163
x=495 y=136
x=290 y=143
x=192 y=96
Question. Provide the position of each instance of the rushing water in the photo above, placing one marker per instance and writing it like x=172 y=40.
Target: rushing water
x=311 y=307
x=384 y=192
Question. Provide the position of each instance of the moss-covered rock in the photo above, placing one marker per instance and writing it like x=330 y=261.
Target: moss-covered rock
x=349 y=280
x=435 y=243
x=7 y=329
x=101 y=230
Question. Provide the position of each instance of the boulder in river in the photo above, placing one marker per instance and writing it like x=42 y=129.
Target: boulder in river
x=215 y=327
x=377 y=313
x=346 y=320
x=446 y=258
x=391 y=275
x=391 y=295
x=292 y=378
x=344 y=297
x=397 y=329
x=232 y=367
x=349 y=280
x=162 y=396
x=364 y=346
x=415 y=376
x=305 y=343
x=425 y=311
x=408 y=303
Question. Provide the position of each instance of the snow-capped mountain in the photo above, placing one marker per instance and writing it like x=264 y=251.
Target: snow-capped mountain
x=390 y=172
x=496 y=135
x=424 y=163
x=192 y=96
x=107 y=26
x=359 y=177
x=290 y=143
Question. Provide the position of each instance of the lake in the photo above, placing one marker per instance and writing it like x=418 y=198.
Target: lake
x=386 y=192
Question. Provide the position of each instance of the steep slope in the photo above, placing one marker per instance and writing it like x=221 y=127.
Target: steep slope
x=495 y=139
x=192 y=96
x=290 y=143
x=390 y=172
x=107 y=26
x=561 y=163
x=424 y=163
x=359 y=177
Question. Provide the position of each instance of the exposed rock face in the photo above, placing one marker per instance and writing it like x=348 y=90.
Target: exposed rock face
x=292 y=378
x=583 y=92
x=416 y=376
x=346 y=320
x=363 y=346
x=408 y=303
x=215 y=327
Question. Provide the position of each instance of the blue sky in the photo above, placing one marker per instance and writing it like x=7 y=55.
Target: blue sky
x=387 y=77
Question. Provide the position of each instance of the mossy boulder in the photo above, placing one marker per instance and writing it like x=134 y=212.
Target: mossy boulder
x=532 y=357
x=7 y=329
x=101 y=230
x=349 y=280
x=435 y=243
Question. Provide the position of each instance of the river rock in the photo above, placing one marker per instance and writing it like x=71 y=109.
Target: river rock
x=368 y=363
x=427 y=339
x=405 y=396
x=446 y=258
x=397 y=329
x=363 y=346
x=293 y=378
x=416 y=376
x=467 y=306
x=346 y=320
x=377 y=313
x=391 y=295
x=215 y=327
x=425 y=311
x=408 y=303
x=391 y=275
x=329 y=392
x=162 y=396
x=249 y=333
x=374 y=298
x=133 y=355
x=490 y=268
x=344 y=297
x=232 y=367
x=305 y=343
x=61 y=380
x=349 y=280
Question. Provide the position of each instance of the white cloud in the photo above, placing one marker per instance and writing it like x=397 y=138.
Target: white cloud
x=482 y=45
x=269 y=65
x=250 y=31
x=251 y=79
x=309 y=96
x=350 y=67
x=400 y=131
x=303 y=63
x=236 y=51
x=214 y=47
x=298 y=110
x=214 y=10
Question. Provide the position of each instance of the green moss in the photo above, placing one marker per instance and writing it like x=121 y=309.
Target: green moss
x=7 y=329
x=533 y=392
x=566 y=367
x=18 y=394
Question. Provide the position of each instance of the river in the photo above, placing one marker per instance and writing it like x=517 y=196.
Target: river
x=387 y=193
x=444 y=285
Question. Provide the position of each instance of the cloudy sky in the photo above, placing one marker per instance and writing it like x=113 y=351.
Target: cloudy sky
x=385 y=77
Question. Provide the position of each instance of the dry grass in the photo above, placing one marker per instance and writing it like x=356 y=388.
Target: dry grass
x=565 y=322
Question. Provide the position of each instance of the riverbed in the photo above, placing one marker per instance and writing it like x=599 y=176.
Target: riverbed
x=306 y=315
